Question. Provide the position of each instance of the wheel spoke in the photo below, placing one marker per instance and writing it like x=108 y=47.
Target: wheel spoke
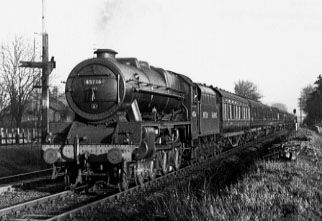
x=177 y=158
x=164 y=163
x=152 y=169
x=124 y=182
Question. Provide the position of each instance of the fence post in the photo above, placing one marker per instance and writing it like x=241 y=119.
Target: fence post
x=11 y=139
x=33 y=134
x=17 y=136
x=39 y=136
x=23 y=135
x=28 y=135
x=6 y=136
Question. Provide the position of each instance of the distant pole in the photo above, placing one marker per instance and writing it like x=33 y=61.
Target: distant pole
x=295 y=120
x=301 y=113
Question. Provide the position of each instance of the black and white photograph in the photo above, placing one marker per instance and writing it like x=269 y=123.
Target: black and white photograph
x=160 y=110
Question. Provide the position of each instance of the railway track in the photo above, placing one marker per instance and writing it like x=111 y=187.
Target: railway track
x=41 y=209
x=69 y=205
x=27 y=180
x=25 y=176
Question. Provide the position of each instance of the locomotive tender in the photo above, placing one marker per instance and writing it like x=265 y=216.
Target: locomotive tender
x=134 y=121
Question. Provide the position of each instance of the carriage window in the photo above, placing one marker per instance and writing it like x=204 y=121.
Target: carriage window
x=232 y=111
x=245 y=112
x=240 y=112
x=248 y=113
x=245 y=109
x=246 y=116
x=206 y=99
x=226 y=111
x=236 y=108
x=213 y=99
x=256 y=113
x=237 y=112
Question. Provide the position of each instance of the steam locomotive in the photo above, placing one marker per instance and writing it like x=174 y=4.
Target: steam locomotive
x=134 y=121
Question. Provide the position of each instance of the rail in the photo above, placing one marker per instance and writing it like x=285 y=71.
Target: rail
x=24 y=176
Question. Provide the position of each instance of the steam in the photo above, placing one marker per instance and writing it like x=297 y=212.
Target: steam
x=108 y=12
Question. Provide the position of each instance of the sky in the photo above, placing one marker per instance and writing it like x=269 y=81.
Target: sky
x=276 y=44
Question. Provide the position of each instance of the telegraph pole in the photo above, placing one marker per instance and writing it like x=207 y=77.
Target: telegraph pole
x=46 y=66
x=301 y=113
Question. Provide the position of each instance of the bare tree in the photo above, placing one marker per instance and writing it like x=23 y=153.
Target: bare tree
x=247 y=89
x=280 y=106
x=3 y=101
x=17 y=82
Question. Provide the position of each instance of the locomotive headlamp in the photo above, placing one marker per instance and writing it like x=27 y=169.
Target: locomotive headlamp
x=50 y=156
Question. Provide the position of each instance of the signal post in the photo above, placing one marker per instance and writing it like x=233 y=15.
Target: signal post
x=47 y=67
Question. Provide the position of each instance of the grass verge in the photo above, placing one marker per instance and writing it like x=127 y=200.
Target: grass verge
x=20 y=159
x=238 y=188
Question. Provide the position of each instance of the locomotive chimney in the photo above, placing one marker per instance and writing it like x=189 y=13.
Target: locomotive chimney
x=105 y=53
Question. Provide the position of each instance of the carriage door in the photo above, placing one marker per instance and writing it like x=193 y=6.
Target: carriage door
x=195 y=113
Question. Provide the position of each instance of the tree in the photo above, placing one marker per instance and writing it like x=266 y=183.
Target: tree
x=280 y=106
x=313 y=104
x=247 y=89
x=304 y=96
x=3 y=101
x=17 y=82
